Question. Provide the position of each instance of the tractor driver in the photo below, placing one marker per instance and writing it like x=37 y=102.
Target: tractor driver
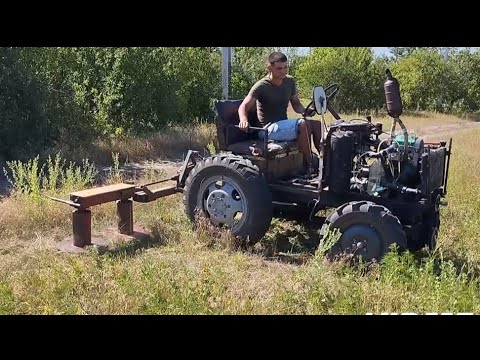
x=271 y=95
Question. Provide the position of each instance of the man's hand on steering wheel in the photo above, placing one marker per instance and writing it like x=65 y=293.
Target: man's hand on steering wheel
x=308 y=112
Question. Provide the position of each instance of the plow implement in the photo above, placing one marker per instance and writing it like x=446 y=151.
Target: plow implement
x=124 y=195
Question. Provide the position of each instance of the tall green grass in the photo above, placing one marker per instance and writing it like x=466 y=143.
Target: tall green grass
x=182 y=270
x=31 y=180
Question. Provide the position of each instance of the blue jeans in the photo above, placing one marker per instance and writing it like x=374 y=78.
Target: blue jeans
x=283 y=130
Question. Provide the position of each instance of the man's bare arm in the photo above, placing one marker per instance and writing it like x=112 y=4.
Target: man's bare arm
x=297 y=105
x=243 y=110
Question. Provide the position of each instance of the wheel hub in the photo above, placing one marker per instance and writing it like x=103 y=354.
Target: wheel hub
x=361 y=240
x=223 y=204
x=216 y=203
x=360 y=245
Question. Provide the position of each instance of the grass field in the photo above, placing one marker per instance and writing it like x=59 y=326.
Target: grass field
x=185 y=271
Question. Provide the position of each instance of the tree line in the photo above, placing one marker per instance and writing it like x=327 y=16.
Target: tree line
x=74 y=95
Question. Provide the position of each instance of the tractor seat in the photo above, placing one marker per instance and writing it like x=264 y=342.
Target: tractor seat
x=239 y=142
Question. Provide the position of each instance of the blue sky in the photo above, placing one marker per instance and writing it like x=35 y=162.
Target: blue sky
x=384 y=50
x=379 y=50
x=376 y=50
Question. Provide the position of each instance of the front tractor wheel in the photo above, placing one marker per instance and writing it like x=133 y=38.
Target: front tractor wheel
x=367 y=230
x=432 y=221
x=231 y=193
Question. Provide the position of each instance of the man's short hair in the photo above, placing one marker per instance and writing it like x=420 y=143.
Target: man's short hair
x=277 y=57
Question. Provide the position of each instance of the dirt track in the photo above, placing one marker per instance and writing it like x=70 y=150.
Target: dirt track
x=446 y=130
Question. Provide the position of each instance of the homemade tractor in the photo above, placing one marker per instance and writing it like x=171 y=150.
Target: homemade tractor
x=386 y=188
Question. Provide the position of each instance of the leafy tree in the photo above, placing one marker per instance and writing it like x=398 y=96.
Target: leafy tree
x=422 y=77
x=351 y=68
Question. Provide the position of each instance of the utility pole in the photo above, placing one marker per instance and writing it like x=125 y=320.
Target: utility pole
x=226 y=66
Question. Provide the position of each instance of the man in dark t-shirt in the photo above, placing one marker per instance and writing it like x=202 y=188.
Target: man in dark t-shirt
x=272 y=100
x=271 y=95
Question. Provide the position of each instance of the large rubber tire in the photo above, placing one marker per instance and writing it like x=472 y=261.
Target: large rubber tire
x=433 y=221
x=367 y=230
x=433 y=231
x=232 y=193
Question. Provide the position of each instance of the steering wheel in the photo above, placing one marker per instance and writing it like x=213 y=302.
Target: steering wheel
x=309 y=109
x=331 y=91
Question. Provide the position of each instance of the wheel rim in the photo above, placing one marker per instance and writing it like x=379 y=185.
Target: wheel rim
x=362 y=241
x=223 y=201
